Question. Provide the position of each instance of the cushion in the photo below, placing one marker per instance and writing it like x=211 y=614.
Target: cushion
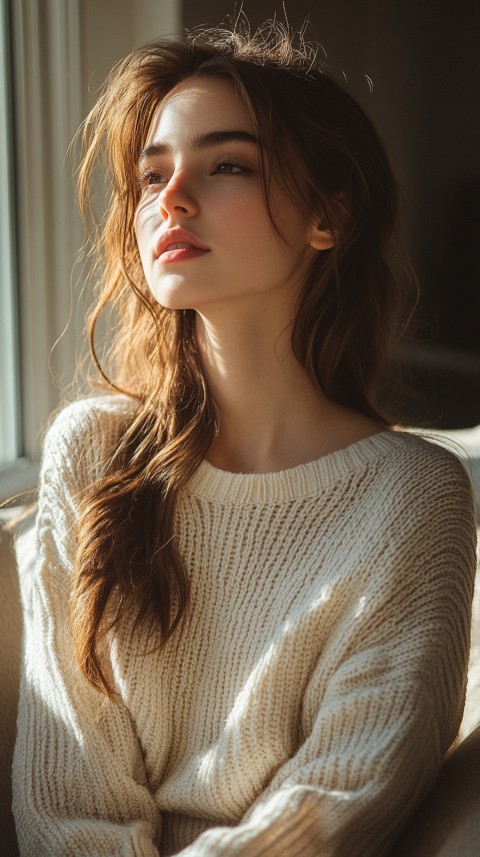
x=10 y=645
x=447 y=824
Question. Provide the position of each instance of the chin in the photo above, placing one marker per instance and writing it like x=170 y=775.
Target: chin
x=171 y=298
x=170 y=303
x=177 y=293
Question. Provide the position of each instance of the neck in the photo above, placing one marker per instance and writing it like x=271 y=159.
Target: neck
x=270 y=414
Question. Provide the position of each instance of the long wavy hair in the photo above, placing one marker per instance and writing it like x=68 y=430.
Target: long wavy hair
x=329 y=159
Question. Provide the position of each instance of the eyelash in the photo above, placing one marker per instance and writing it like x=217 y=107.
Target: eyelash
x=146 y=175
x=235 y=168
x=226 y=162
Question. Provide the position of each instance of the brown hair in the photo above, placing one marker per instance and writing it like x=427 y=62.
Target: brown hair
x=330 y=160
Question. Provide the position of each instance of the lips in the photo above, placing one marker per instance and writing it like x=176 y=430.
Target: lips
x=177 y=241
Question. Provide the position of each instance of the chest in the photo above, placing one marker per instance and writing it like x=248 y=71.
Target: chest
x=268 y=588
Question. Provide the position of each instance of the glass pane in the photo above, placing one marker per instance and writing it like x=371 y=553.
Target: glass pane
x=9 y=446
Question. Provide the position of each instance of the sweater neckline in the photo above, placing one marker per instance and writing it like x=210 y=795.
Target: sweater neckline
x=210 y=483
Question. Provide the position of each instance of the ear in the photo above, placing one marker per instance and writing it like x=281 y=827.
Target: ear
x=321 y=237
x=326 y=232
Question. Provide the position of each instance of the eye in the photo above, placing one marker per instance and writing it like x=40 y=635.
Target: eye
x=151 y=178
x=230 y=168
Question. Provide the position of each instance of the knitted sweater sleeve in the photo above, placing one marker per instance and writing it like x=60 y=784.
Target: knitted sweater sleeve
x=373 y=731
x=79 y=778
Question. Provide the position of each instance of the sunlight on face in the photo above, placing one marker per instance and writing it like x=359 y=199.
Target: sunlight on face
x=203 y=230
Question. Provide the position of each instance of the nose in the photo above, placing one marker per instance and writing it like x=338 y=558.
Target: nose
x=177 y=198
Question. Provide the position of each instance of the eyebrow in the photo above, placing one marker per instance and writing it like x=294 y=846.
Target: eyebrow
x=201 y=141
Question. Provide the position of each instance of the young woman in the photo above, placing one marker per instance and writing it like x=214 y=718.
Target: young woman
x=248 y=628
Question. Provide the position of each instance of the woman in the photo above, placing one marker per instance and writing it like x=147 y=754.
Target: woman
x=248 y=630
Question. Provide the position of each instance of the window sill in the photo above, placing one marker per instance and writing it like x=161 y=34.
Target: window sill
x=17 y=478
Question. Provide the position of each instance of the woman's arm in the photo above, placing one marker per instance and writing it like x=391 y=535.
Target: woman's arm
x=79 y=780
x=374 y=735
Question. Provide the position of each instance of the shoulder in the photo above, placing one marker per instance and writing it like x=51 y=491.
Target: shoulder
x=423 y=496
x=402 y=472
x=93 y=414
x=83 y=435
x=416 y=466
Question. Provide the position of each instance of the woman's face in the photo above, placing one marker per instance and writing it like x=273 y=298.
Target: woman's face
x=203 y=230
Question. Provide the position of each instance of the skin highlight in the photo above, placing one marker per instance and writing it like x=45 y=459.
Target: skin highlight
x=244 y=287
x=251 y=308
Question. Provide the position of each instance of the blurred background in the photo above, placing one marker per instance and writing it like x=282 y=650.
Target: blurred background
x=414 y=67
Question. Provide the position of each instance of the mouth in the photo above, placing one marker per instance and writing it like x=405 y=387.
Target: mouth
x=181 y=253
x=178 y=244
x=171 y=247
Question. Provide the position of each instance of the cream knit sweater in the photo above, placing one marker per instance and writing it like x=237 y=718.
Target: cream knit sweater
x=304 y=704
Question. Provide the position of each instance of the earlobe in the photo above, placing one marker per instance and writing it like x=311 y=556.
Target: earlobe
x=327 y=231
x=322 y=238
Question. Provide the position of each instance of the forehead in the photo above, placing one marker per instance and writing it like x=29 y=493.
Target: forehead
x=199 y=105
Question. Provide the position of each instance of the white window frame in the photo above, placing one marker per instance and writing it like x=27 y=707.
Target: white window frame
x=9 y=423
x=52 y=40
x=47 y=99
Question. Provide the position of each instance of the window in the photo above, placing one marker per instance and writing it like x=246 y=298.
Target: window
x=41 y=91
x=42 y=64
x=9 y=413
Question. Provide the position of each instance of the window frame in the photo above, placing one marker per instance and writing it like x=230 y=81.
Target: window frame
x=45 y=54
x=59 y=57
x=9 y=417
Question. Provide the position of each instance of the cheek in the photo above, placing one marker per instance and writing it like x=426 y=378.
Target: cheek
x=143 y=229
x=241 y=208
x=290 y=221
x=250 y=225
x=137 y=226
x=146 y=257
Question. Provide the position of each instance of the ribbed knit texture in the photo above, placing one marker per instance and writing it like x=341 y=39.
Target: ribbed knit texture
x=304 y=704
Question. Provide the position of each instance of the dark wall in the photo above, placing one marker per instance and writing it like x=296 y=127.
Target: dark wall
x=423 y=59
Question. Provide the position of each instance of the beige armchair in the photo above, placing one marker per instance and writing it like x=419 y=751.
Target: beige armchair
x=448 y=822
x=10 y=648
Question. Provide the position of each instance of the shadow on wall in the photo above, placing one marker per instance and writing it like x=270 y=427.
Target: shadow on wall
x=423 y=60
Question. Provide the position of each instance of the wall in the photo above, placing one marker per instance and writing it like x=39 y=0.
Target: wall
x=423 y=59
x=111 y=29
